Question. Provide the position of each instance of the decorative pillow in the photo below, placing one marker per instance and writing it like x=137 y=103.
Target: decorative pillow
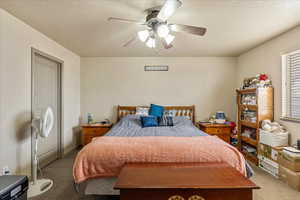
x=149 y=121
x=156 y=110
x=170 y=113
x=143 y=111
x=165 y=121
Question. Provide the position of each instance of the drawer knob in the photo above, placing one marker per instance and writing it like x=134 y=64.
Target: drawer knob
x=176 y=197
x=196 y=197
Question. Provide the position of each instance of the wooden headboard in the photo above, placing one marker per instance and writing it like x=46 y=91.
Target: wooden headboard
x=188 y=111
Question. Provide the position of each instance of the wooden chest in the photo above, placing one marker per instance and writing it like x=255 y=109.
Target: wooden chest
x=89 y=131
x=205 y=181
x=223 y=131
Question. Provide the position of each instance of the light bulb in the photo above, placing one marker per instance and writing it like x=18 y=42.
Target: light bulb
x=143 y=35
x=173 y=27
x=169 y=39
x=163 y=30
x=151 y=43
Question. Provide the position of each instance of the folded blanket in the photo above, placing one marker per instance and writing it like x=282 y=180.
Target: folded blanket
x=105 y=156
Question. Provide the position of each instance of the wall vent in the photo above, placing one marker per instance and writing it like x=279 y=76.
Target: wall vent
x=156 y=68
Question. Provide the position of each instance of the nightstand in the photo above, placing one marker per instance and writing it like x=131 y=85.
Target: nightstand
x=223 y=131
x=89 y=131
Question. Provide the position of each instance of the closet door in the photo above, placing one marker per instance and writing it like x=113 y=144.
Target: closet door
x=46 y=92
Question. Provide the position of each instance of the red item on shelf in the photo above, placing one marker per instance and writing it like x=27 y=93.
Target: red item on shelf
x=232 y=125
x=263 y=77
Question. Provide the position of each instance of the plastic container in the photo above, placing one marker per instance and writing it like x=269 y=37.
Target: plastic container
x=269 y=166
x=273 y=139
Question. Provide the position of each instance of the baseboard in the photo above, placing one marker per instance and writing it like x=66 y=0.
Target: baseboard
x=69 y=149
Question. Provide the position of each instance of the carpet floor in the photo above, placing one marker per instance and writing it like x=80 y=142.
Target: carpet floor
x=61 y=172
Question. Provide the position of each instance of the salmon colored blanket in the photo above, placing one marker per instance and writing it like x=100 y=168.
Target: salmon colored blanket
x=105 y=156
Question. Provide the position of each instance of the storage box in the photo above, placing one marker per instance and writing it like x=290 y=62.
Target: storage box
x=269 y=166
x=290 y=162
x=290 y=177
x=269 y=152
x=273 y=139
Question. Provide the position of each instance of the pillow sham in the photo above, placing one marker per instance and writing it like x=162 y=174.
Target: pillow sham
x=156 y=110
x=170 y=113
x=143 y=111
x=149 y=121
x=165 y=121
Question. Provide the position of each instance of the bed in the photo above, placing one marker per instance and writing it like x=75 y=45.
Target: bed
x=128 y=142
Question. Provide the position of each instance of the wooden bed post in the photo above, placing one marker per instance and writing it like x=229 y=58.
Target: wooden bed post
x=194 y=113
x=118 y=113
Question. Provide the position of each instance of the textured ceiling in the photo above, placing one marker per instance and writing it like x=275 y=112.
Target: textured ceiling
x=234 y=26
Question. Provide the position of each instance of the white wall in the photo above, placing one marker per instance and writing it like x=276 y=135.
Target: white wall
x=16 y=40
x=267 y=59
x=206 y=82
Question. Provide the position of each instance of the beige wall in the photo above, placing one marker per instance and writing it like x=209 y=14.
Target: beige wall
x=267 y=59
x=16 y=40
x=206 y=82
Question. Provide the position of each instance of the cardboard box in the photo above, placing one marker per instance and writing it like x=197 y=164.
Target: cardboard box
x=269 y=152
x=287 y=161
x=290 y=177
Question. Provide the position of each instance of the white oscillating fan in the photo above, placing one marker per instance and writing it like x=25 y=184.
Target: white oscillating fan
x=42 y=126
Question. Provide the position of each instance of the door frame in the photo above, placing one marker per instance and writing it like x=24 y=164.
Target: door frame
x=34 y=52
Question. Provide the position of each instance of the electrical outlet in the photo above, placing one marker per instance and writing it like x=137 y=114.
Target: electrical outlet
x=5 y=170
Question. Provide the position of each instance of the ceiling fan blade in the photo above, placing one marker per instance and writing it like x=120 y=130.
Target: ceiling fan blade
x=168 y=9
x=188 y=29
x=165 y=45
x=125 y=20
x=132 y=40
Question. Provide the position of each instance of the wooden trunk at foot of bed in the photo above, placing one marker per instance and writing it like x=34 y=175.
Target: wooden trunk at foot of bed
x=188 y=111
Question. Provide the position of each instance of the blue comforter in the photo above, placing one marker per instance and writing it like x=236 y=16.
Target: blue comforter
x=130 y=126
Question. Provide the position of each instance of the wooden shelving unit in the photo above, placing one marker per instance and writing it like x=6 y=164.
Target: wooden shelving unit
x=249 y=140
x=264 y=110
x=248 y=124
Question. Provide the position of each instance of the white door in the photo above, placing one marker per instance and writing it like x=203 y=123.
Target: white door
x=46 y=92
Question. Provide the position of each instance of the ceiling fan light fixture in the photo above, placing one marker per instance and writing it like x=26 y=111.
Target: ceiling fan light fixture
x=172 y=27
x=156 y=27
x=143 y=35
x=163 y=30
x=169 y=39
x=151 y=43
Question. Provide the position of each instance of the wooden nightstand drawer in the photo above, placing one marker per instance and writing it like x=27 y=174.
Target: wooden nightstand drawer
x=223 y=131
x=224 y=137
x=94 y=130
x=87 y=139
x=217 y=130
x=212 y=130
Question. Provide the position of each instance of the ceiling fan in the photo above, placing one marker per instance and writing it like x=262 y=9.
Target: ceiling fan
x=157 y=27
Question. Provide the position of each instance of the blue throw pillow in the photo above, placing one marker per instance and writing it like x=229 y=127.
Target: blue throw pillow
x=149 y=121
x=156 y=110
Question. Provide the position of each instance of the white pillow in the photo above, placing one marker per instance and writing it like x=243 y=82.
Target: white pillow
x=143 y=111
x=170 y=113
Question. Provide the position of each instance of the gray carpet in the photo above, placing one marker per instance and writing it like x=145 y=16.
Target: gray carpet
x=61 y=172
